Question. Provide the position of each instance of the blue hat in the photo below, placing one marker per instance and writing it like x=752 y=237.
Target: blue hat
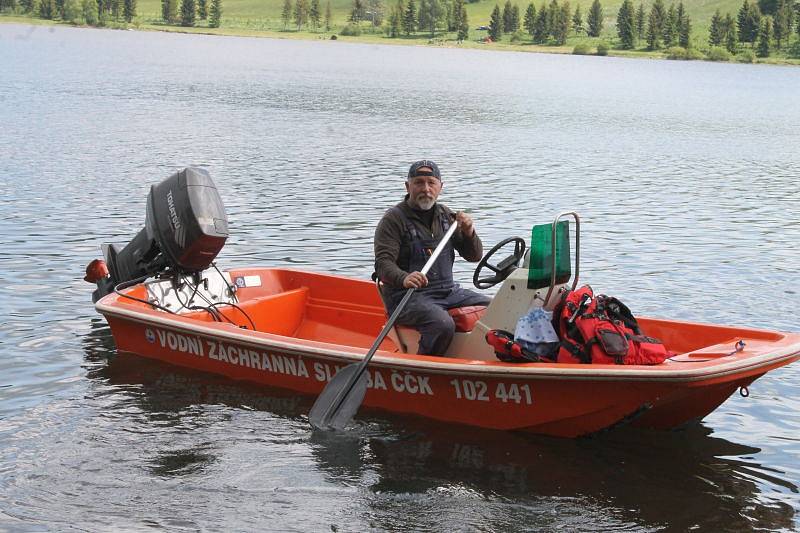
x=415 y=169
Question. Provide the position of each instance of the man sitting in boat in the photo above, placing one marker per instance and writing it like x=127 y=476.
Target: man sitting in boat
x=404 y=239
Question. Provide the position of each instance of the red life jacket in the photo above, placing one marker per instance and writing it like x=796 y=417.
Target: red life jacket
x=601 y=329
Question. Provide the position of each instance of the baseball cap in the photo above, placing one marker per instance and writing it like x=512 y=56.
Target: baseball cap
x=415 y=169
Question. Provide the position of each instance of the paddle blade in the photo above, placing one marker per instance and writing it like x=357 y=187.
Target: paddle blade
x=325 y=414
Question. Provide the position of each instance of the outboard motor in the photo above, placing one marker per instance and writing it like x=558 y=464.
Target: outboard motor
x=185 y=228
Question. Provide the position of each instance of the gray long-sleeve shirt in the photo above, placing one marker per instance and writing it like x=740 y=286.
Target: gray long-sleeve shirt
x=392 y=246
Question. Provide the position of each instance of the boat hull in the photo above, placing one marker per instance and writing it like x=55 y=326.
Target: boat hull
x=560 y=400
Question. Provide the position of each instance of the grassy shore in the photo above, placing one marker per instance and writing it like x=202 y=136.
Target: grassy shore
x=246 y=18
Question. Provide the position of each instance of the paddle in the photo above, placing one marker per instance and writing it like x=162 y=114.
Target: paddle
x=342 y=396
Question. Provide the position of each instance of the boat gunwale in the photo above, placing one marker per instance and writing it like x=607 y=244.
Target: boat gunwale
x=344 y=354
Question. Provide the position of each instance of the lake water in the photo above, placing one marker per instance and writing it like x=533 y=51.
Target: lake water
x=685 y=174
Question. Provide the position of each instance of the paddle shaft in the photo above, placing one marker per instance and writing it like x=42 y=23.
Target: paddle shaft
x=362 y=365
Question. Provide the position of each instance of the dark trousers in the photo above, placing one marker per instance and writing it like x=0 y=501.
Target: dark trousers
x=426 y=311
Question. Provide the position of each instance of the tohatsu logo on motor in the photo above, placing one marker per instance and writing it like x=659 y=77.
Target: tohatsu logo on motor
x=173 y=213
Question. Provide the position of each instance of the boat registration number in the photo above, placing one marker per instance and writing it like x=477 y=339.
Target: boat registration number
x=479 y=391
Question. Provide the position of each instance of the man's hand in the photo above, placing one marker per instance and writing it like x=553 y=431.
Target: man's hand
x=465 y=224
x=416 y=280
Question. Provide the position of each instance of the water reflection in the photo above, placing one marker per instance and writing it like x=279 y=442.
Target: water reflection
x=680 y=480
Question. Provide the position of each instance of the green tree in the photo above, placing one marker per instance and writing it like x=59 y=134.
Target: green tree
x=188 y=9
x=89 y=11
x=215 y=14
x=731 y=39
x=286 y=14
x=552 y=18
x=28 y=6
x=496 y=24
x=783 y=22
x=507 y=17
x=562 y=24
x=765 y=34
x=514 y=18
x=202 y=9
x=357 y=12
x=431 y=14
x=640 y=21
x=530 y=19
x=410 y=18
x=684 y=27
x=47 y=9
x=463 y=26
x=301 y=14
x=129 y=10
x=541 y=30
x=594 y=20
x=328 y=16
x=72 y=11
x=715 y=36
x=748 y=22
x=577 y=20
x=314 y=14
x=169 y=11
x=115 y=8
x=670 y=31
x=626 y=25
x=454 y=19
x=654 y=29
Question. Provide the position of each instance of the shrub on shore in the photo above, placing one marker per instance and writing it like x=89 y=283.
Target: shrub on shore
x=351 y=30
x=681 y=53
x=581 y=49
x=717 y=53
x=602 y=48
x=746 y=56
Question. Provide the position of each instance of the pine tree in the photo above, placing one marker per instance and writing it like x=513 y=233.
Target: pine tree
x=202 y=9
x=552 y=18
x=357 y=11
x=577 y=21
x=684 y=27
x=640 y=21
x=454 y=18
x=47 y=9
x=301 y=14
x=410 y=18
x=115 y=6
x=328 y=16
x=765 y=37
x=654 y=31
x=286 y=14
x=314 y=14
x=562 y=24
x=715 y=36
x=169 y=11
x=507 y=17
x=215 y=14
x=514 y=18
x=594 y=20
x=188 y=9
x=463 y=26
x=749 y=22
x=670 y=27
x=731 y=38
x=530 y=19
x=783 y=22
x=129 y=10
x=626 y=25
x=541 y=30
x=496 y=24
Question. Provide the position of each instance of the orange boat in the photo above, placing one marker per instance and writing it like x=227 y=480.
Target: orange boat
x=294 y=329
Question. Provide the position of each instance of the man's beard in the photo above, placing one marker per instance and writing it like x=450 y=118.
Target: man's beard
x=425 y=202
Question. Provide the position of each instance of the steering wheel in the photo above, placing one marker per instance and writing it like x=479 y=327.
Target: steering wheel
x=504 y=268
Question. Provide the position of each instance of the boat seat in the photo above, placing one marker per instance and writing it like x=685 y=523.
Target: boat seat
x=407 y=337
